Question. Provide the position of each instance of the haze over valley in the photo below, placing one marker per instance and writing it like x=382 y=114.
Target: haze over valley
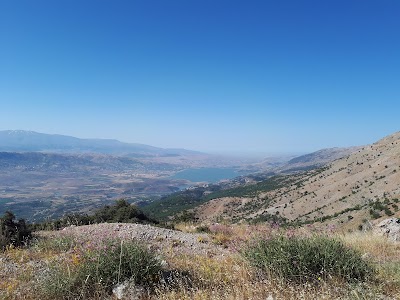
x=67 y=174
x=47 y=176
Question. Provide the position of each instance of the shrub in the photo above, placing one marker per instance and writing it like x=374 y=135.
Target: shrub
x=186 y=217
x=374 y=214
x=96 y=271
x=307 y=258
x=13 y=233
x=388 y=212
x=203 y=229
x=121 y=212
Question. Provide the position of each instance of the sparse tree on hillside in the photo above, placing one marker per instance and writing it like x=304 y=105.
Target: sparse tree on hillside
x=13 y=233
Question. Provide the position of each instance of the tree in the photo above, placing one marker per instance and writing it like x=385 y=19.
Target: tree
x=13 y=233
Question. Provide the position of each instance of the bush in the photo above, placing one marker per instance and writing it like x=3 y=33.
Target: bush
x=13 y=233
x=307 y=258
x=121 y=212
x=374 y=214
x=96 y=271
x=203 y=229
x=388 y=212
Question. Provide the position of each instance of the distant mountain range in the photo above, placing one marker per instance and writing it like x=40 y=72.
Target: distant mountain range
x=30 y=141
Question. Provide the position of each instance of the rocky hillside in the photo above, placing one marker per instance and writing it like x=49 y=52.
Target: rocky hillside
x=309 y=161
x=364 y=185
x=315 y=159
x=268 y=175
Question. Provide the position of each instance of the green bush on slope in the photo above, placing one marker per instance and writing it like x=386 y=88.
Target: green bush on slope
x=13 y=233
x=121 y=212
x=307 y=258
x=95 y=271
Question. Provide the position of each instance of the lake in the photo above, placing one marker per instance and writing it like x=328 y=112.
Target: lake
x=210 y=175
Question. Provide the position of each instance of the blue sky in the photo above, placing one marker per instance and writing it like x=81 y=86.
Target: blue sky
x=211 y=75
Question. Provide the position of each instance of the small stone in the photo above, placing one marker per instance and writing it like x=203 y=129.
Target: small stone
x=365 y=255
x=118 y=291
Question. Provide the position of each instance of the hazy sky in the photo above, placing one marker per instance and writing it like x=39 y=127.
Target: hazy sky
x=211 y=75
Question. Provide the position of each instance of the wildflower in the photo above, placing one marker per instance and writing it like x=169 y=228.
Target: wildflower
x=75 y=259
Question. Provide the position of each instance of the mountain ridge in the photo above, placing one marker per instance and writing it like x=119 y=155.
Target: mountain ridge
x=363 y=185
x=31 y=141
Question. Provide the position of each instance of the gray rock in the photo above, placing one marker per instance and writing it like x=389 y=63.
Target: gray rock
x=390 y=228
x=128 y=290
x=119 y=289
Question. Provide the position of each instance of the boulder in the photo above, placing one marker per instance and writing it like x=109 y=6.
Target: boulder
x=389 y=228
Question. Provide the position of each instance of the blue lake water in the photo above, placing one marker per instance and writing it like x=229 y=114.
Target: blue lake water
x=210 y=175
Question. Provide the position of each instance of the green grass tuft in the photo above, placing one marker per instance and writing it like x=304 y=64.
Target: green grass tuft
x=98 y=270
x=307 y=259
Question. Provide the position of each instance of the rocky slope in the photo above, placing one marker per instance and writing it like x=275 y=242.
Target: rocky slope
x=295 y=163
x=156 y=238
x=363 y=185
x=316 y=159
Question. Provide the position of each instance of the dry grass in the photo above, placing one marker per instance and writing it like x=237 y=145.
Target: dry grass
x=217 y=276
x=376 y=246
x=186 y=227
x=384 y=253
x=232 y=278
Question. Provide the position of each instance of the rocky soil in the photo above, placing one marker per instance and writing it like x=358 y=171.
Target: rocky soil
x=20 y=268
x=157 y=238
